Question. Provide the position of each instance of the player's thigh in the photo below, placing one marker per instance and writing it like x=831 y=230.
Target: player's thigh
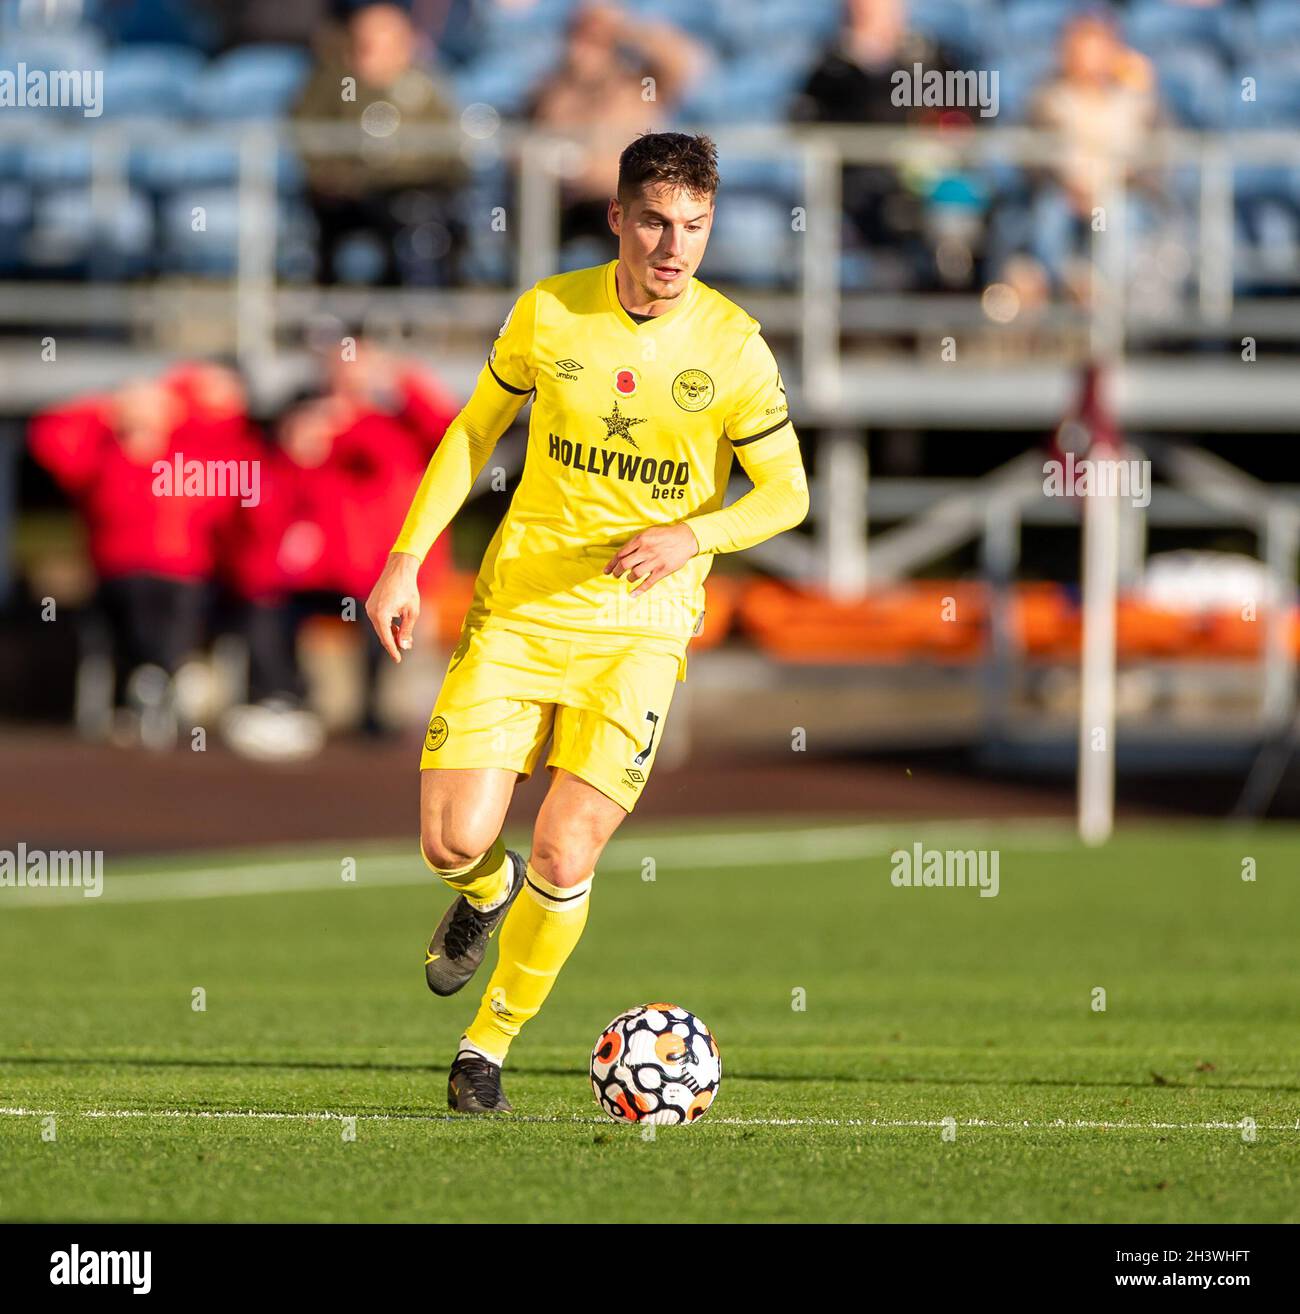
x=610 y=734
x=488 y=730
x=462 y=811
x=573 y=826
x=497 y=702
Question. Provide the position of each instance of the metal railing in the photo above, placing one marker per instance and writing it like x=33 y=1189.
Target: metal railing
x=259 y=313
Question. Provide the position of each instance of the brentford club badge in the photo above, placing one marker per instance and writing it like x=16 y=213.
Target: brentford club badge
x=626 y=381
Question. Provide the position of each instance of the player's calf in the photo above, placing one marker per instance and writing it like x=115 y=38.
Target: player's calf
x=487 y=888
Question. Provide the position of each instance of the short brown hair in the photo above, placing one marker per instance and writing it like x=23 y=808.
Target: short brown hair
x=676 y=158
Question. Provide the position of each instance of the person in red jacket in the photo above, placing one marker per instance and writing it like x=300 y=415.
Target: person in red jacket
x=152 y=538
x=347 y=464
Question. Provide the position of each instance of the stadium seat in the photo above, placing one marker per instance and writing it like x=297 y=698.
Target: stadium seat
x=752 y=243
x=780 y=178
x=895 y=624
x=1193 y=85
x=959 y=27
x=1277 y=25
x=213 y=251
x=70 y=235
x=489 y=256
x=1268 y=242
x=1227 y=635
x=1029 y=23
x=156 y=22
x=15 y=225
x=147 y=81
x=1156 y=25
x=701 y=21
x=501 y=27
x=1020 y=73
x=1045 y=620
x=748 y=89
x=201 y=158
x=252 y=82
x=46 y=48
x=1142 y=630
x=749 y=27
x=62 y=158
x=1277 y=92
x=505 y=79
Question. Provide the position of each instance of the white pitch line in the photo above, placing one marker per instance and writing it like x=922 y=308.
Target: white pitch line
x=268 y=1115
x=717 y=851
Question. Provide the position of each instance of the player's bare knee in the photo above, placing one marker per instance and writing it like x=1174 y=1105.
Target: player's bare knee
x=448 y=849
x=563 y=864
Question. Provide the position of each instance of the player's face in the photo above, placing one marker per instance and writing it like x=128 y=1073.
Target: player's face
x=662 y=234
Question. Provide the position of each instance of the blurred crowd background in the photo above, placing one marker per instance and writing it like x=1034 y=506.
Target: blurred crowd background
x=290 y=229
x=1102 y=76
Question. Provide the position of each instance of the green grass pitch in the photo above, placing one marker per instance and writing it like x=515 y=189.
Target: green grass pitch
x=918 y=1006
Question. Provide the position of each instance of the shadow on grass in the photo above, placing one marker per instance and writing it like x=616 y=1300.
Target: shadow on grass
x=732 y=1073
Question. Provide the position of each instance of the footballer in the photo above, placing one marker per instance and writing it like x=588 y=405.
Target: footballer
x=644 y=383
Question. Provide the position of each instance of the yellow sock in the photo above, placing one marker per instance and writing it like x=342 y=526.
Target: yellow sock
x=537 y=936
x=484 y=882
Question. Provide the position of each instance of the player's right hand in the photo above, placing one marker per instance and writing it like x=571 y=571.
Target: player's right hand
x=394 y=604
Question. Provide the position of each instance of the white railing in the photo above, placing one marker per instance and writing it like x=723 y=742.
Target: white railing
x=258 y=314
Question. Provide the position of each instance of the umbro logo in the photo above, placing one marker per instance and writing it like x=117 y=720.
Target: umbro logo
x=568 y=368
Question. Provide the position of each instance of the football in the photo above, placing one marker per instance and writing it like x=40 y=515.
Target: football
x=656 y=1064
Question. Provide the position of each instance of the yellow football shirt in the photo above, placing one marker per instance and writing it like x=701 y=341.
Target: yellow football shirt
x=633 y=424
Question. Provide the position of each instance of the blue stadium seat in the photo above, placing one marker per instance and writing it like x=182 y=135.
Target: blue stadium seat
x=779 y=178
x=501 y=27
x=59 y=159
x=1027 y=23
x=1269 y=233
x=68 y=234
x=1193 y=85
x=15 y=225
x=53 y=48
x=489 y=257
x=1277 y=25
x=214 y=252
x=702 y=21
x=1156 y=25
x=505 y=79
x=1277 y=92
x=1021 y=71
x=75 y=49
x=959 y=27
x=746 y=26
x=150 y=81
x=202 y=159
x=748 y=89
x=156 y=22
x=752 y=243
x=252 y=82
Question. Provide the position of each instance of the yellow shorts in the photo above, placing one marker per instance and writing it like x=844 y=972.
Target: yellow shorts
x=506 y=692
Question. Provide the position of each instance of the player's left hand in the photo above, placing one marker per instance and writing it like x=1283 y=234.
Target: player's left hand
x=652 y=554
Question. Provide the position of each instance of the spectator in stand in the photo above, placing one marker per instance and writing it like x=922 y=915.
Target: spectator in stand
x=853 y=82
x=404 y=200
x=348 y=463
x=251 y=22
x=601 y=84
x=1103 y=105
x=152 y=538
